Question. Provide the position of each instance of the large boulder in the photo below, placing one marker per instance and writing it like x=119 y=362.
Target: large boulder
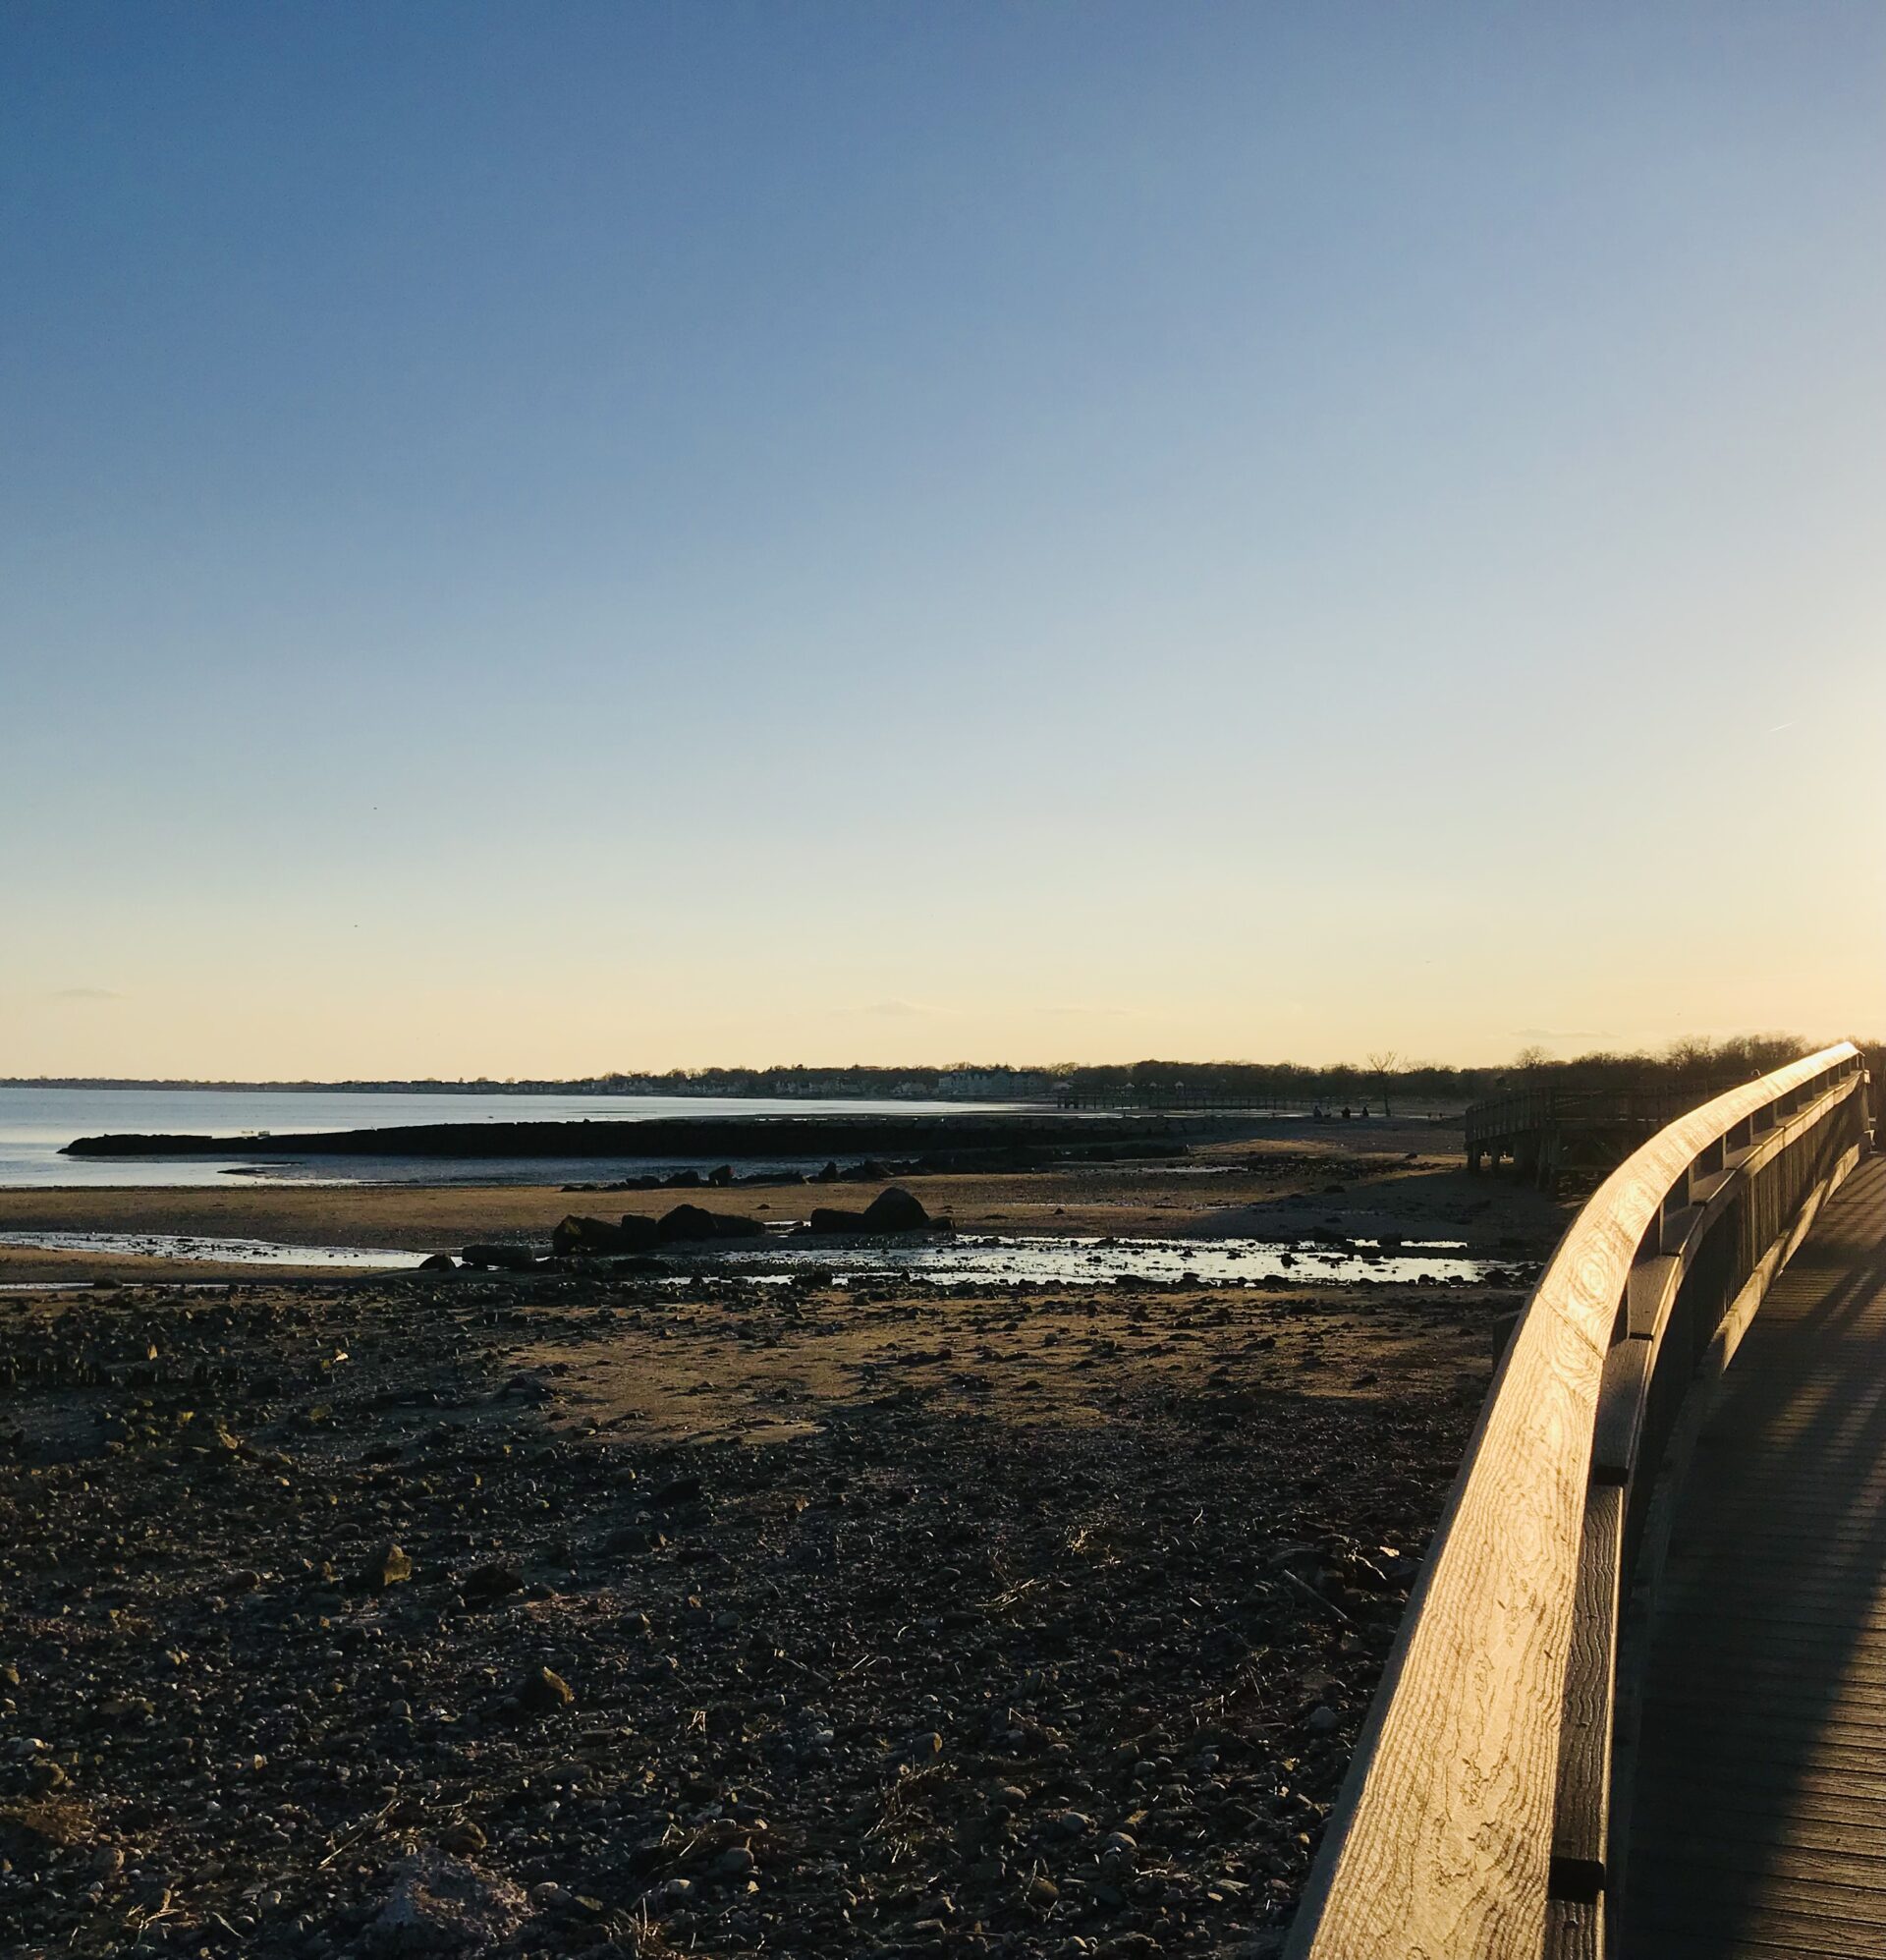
x=894 y=1209
x=597 y=1238
x=731 y=1225
x=639 y=1232
x=686 y=1222
x=502 y=1258
x=829 y=1219
x=588 y=1238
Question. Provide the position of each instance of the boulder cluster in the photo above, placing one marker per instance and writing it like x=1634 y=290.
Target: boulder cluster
x=635 y=1234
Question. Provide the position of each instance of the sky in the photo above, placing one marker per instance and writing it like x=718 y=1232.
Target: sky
x=538 y=539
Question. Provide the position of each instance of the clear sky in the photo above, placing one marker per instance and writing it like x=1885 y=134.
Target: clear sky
x=548 y=537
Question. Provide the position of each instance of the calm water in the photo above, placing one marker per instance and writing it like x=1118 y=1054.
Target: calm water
x=36 y=1123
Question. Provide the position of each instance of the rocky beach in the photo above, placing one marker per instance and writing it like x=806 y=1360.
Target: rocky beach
x=480 y=1615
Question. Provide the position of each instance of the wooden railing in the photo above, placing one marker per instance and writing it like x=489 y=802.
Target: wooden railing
x=1486 y=1124
x=1477 y=1822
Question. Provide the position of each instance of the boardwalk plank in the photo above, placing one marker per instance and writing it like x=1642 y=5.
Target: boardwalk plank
x=1760 y=1804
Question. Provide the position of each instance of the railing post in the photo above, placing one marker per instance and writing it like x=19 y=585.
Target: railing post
x=1670 y=1212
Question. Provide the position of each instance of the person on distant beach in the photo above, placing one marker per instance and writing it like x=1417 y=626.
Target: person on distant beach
x=1345 y=1112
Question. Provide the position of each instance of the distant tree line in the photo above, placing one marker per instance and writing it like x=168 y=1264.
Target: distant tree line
x=1382 y=1079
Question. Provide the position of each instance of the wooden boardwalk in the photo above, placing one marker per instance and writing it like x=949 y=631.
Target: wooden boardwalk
x=1758 y=1807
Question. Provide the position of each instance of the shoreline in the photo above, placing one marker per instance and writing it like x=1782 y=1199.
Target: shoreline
x=1280 y=1191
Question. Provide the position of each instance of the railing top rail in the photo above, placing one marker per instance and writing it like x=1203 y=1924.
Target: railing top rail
x=1441 y=1840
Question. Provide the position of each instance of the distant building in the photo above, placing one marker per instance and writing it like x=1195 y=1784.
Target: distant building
x=993 y=1085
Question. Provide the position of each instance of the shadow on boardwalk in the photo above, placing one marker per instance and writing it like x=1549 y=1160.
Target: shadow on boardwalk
x=1759 y=1811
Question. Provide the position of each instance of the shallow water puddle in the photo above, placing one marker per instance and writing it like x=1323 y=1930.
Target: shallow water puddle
x=964 y=1261
x=1021 y=1261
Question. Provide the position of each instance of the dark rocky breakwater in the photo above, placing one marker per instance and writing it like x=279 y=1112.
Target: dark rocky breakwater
x=942 y=1143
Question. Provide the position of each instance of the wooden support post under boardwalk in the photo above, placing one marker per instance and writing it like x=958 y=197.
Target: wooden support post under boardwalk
x=1478 y=1818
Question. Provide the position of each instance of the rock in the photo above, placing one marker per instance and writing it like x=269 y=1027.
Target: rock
x=829 y=1219
x=894 y=1209
x=438 y=1262
x=489 y=1583
x=386 y=1565
x=628 y=1539
x=689 y=1223
x=543 y=1693
x=440 y=1905
x=1323 y=1720
x=596 y=1238
x=576 y=1236
x=686 y=1222
x=637 y=1232
x=462 y=1839
x=501 y=1259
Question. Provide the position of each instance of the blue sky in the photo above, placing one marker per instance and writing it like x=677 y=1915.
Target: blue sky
x=535 y=539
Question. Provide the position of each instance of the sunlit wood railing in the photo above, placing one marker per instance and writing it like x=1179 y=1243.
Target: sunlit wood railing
x=1477 y=1822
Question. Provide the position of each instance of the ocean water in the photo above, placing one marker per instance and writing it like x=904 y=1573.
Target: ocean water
x=35 y=1124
